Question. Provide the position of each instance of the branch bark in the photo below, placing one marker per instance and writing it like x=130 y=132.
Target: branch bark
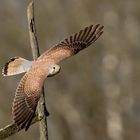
x=42 y=111
x=12 y=129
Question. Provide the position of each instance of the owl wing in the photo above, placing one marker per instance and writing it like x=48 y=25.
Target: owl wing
x=72 y=45
x=24 y=105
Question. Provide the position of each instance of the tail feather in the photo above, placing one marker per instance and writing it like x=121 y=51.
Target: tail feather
x=16 y=65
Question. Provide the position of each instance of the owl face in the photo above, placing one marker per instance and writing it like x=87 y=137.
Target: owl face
x=53 y=69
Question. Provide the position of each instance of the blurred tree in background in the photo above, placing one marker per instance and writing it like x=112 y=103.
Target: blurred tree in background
x=96 y=95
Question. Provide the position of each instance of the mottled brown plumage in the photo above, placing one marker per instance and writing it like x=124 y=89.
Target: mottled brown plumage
x=29 y=89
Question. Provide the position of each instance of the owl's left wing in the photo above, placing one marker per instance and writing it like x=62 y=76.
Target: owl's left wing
x=73 y=44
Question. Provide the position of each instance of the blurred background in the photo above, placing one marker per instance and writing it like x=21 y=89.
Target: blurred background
x=96 y=94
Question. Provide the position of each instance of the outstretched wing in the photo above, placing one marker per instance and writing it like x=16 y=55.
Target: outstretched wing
x=72 y=45
x=24 y=105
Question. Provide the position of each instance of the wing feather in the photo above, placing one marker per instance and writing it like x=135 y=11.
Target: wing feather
x=88 y=29
x=72 y=45
x=24 y=106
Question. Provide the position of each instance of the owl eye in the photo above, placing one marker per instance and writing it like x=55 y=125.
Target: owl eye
x=54 y=68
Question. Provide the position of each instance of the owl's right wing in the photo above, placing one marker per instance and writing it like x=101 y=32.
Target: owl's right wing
x=24 y=105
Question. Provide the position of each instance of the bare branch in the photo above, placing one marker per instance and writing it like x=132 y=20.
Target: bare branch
x=32 y=30
x=12 y=129
x=42 y=111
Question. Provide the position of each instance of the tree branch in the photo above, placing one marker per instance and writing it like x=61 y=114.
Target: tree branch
x=42 y=111
x=12 y=129
x=32 y=30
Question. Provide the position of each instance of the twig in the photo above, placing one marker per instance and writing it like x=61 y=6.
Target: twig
x=42 y=111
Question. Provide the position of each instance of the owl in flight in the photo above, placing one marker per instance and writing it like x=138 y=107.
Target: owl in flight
x=30 y=87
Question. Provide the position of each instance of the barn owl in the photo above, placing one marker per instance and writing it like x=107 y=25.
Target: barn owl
x=30 y=86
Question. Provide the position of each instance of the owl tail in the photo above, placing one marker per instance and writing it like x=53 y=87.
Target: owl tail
x=16 y=65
